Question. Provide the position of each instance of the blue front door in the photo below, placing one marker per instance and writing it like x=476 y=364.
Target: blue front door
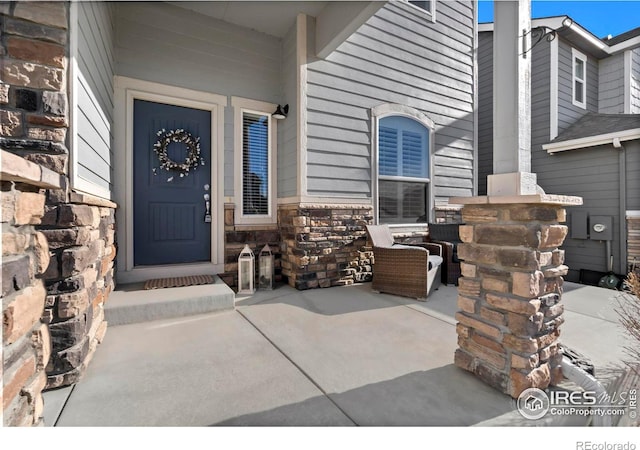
x=169 y=220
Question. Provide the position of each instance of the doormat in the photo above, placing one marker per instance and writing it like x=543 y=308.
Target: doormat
x=191 y=280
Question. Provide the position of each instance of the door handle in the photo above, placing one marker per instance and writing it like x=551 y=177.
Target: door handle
x=207 y=206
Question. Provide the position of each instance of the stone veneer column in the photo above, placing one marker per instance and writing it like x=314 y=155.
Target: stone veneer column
x=26 y=343
x=79 y=228
x=509 y=294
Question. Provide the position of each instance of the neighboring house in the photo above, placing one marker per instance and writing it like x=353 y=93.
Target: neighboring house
x=585 y=96
x=380 y=128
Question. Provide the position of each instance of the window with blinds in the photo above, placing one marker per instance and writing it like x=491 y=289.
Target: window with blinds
x=403 y=170
x=255 y=164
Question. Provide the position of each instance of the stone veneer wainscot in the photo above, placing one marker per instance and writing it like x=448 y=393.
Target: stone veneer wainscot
x=325 y=245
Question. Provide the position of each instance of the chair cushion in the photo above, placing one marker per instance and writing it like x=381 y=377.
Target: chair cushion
x=411 y=247
x=435 y=261
x=380 y=235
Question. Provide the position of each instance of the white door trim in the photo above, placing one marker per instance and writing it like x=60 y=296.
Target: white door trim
x=126 y=91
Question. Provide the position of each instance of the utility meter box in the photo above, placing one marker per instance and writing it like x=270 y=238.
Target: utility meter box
x=601 y=228
x=579 y=224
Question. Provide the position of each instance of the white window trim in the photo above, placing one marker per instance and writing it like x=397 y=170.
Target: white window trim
x=431 y=15
x=575 y=54
x=240 y=106
x=392 y=109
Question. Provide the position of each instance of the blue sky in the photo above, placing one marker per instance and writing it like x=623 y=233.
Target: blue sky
x=600 y=17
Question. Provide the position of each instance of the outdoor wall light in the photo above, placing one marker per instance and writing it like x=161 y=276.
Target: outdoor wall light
x=281 y=112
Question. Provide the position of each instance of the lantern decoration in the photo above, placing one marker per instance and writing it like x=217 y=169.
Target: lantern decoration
x=265 y=277
x=246 y=271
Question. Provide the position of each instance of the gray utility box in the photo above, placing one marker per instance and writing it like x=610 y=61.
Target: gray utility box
x=597 y=228
x=601 y=228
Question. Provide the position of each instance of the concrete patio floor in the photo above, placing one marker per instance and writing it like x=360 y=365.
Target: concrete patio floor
x=327 y=357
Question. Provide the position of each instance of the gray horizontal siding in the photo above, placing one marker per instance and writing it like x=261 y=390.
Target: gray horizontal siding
x=287 y=129
x=540 y=99
x=611 y=85
x=485 y=109
x=167 y=44
x=567 y=112
x=635 y=81
x=397 y=56
x=592 y=174
x=95 y=93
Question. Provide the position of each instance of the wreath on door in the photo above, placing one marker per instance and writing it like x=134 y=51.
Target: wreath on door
x=193 y=159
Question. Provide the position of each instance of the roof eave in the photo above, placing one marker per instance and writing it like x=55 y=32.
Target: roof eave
x=591 y=141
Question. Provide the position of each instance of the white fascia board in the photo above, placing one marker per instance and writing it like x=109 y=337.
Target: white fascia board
x=629 y=44
x=591 y=141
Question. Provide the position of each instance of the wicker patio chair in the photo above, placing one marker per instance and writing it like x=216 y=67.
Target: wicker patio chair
x=406 y=270
x=447 y=235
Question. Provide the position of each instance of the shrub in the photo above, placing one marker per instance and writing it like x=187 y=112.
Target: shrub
x=629 y=313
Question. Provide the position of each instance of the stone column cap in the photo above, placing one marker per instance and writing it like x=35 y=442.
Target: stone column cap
x=539 y=199
x=16 y=168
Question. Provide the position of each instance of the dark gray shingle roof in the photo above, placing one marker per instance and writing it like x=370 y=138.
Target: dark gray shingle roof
x=592 y=124
x=623 y=37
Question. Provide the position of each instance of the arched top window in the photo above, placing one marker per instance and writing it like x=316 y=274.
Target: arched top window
x=403 y=148
x=403 y=165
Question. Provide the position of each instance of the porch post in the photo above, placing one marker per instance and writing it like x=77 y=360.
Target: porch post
x=512 y=100
x=509 y=294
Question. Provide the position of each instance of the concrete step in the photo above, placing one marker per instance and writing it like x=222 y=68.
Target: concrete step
x=131 y=303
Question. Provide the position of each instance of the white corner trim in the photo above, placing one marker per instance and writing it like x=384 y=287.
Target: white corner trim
x=476 y=96
x=579 y=55
x=628 y=71
x=301 y=101
x=592 y=141
x=553 y=90
x=73 y=91
x=240 y=106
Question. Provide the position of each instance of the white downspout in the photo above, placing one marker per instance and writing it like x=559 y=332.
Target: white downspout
x=588 y=383
x=622 y=204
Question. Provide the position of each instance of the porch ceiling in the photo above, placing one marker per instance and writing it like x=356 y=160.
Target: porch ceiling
x=270 y=17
